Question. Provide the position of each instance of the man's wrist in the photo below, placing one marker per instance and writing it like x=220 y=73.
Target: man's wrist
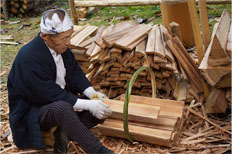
x=89 y=92
x=80 y=105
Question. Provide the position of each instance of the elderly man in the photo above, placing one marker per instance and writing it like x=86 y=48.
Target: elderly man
x=43 y=85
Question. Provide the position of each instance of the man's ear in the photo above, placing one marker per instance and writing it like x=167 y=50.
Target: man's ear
x=44 y=36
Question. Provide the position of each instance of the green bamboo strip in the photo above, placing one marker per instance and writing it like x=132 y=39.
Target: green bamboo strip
x=128 y=93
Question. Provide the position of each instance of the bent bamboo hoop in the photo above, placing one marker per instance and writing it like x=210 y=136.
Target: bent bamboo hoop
x=128 y=93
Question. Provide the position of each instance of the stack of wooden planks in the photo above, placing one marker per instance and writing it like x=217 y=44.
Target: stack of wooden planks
x=116 y=52
x=216 y=65
x=151 y=120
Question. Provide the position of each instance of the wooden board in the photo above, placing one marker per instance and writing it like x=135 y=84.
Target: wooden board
x=6 y=37
x=149 y=135
x=179 y=13
x=94 y=49
x=192 y=66
x=167 y=51
x=134 y=35
x=140 y=48
x=228 y=95
x=186 y=65
x=216 y=102
x=196 y=29
x=159 y=48
x=213 y=74
x=118 y=32
x=77 y=28
x=204 y=23
x=136 y=112
x=82 y=35
x=150 y=47
x=99 y=41
x=218 y=55
x=168 y=108
x=229 y=42
x=134 y=44
x=86 y=42
x=180 y=92
x=224 y=82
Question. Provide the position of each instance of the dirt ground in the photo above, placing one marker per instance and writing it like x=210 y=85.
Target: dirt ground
x=218 y=141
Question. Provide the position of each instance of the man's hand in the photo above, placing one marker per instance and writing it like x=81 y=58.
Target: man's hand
x=92 y=94
x=96 y=107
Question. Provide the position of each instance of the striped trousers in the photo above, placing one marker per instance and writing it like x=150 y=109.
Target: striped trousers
x=74 y=124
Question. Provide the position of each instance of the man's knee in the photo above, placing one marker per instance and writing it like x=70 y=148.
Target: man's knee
x=62 y=107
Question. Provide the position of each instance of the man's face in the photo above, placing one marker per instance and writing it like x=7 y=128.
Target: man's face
x=58 y=42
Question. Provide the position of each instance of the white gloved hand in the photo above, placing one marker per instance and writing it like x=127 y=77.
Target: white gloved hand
x=96 y=107
x=93 y=94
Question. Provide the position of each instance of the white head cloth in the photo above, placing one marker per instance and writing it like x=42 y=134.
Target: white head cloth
x=55 y=25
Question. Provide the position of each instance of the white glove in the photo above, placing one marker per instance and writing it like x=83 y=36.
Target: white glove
x=92 y=94
x=96 y=107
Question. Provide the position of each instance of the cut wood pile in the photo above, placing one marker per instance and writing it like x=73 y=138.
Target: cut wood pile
x=216 y=65
x=20 y=8
x=204 y=133
x=151 y=120
x=116 y=52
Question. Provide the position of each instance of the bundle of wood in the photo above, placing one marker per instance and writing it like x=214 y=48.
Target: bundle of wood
x=151 y=120
x=116 y=52
x=216 y=65
x=20 y=8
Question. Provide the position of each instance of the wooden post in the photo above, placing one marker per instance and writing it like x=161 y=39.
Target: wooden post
x=5 y=9
x=73 y=11
x=178 y=11
x=196 y=29
x=204 y=22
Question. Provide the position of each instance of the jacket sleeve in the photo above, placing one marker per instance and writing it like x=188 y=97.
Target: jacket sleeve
x=75 y=78
x=37 y=84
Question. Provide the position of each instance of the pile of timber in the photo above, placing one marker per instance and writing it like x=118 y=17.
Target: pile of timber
x=116 y=52
x=216 y=65
x=151 y=120
x=20 y=8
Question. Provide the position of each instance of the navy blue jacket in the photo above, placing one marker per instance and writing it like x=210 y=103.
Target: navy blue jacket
x=31 y=84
